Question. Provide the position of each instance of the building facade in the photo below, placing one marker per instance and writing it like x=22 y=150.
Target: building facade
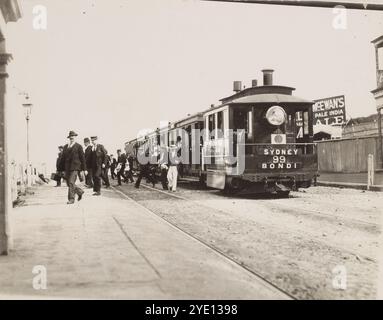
x=9 y=12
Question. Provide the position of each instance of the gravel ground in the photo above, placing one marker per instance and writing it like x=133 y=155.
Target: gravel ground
x=295 y=243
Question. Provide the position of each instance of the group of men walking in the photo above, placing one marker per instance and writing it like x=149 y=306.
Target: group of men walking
x=92 y=164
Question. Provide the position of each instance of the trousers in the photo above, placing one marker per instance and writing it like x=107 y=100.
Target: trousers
x=71 y=177
x=105 y=177
x=121 y=174
x=88 y=179
x=96 y=175
x=172 y=177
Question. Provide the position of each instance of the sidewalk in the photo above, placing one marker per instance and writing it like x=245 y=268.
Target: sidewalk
x=110 y=247
x=350 y=180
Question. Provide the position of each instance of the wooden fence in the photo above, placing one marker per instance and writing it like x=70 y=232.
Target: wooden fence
x=347 y=155
x=18 y=177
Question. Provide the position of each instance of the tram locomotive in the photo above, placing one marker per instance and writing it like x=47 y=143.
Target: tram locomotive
x=272 y=138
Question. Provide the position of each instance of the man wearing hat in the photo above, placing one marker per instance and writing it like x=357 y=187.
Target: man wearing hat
x=98 y=163
x=88 y=159
x=73 y=163
x=58 y=175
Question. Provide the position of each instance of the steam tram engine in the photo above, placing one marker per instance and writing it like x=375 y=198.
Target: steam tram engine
x=269 y=149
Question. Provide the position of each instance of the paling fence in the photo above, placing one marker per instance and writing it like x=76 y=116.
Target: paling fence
x=21 y=176
x=348 y=155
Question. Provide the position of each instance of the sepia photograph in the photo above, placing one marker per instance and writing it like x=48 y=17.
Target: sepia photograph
x=191 y=155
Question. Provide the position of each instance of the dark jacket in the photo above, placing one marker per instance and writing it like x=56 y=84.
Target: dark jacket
x=58 y=161
x=88 y=156
x=108 y=161
x=130 y=161
x=73 y=159
x=98 y=158
x=122 y=159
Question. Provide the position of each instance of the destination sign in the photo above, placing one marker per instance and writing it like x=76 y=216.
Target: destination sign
x=284 y=151
x=280 y=158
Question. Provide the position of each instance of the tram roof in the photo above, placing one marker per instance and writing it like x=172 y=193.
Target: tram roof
x=189 y=119
x=378 y=41
x=270 y=98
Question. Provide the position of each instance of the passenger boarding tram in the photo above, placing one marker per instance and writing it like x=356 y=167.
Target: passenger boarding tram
x=258 y=140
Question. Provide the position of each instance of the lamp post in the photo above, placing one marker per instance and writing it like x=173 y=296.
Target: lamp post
x=28 y=110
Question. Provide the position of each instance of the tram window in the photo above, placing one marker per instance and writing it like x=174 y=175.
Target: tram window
x=305 y=122
x=240 y=119
x=212 y=125
x=299 y=124
x=220 y=120
x=249 y=124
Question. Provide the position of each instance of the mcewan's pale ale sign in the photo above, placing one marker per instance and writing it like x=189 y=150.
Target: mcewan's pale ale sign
x=330 y=111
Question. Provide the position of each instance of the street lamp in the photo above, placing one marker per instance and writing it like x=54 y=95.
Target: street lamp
x=27 y=105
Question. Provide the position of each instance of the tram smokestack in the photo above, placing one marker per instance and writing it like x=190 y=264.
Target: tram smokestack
x=237 y=86
x=268 y=77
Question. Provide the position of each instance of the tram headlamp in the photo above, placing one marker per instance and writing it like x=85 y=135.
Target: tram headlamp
x=276 y=115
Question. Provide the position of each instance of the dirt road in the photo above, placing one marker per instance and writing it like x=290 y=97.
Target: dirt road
x=320 y=243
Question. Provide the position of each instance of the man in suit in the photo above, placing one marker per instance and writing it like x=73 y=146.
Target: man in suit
x=88 y=156
x=121 y=163
x=104 y=175
x=129 y=174
x=113 y=166
x=58 y=176
x=73 y=163
x=145 y=169
x=98 y=164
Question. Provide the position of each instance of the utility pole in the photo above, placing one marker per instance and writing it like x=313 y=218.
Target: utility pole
x=28 y=110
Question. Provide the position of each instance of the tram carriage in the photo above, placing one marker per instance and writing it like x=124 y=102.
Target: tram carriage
x=267 y=131
x=278 y=148
x=190 y=125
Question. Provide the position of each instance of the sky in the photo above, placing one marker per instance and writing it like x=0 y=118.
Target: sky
x=112 y=68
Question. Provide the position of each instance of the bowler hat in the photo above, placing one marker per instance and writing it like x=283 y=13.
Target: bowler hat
x=93 y=138
x=61 y=147
x=72 y=134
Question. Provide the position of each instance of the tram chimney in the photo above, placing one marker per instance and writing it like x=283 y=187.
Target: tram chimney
x=254 y=83
x=268 y=77
x=237 y=86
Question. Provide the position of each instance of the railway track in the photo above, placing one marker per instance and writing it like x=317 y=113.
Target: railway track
x=267 y=282
x=280 y=207
x=371 y=225
x=302 y=212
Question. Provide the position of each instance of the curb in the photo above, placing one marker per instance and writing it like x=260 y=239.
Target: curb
x=358 y=186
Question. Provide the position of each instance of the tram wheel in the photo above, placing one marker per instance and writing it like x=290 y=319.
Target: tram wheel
x=202 y=180
x=283 y=194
